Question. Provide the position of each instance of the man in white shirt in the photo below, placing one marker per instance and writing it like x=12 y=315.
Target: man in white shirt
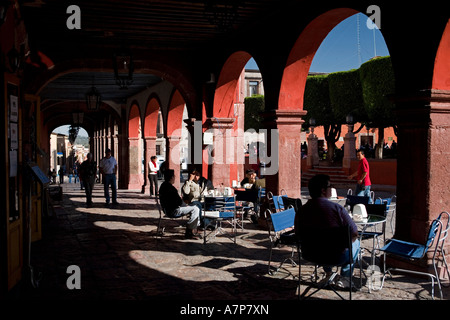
x=108 y=169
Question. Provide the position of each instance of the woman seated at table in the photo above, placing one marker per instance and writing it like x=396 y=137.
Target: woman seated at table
x=191 y=189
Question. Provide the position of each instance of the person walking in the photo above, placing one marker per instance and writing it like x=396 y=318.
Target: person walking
x=88 y=170
x=153 y=168
x=108 y=169
x=363 y=176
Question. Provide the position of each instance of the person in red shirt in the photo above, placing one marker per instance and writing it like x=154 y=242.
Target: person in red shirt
x=362 y=175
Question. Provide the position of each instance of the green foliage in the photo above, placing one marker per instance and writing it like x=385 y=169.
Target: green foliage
x=254 y=105
x=317 y=100
x=346 y=95
x=377 y=80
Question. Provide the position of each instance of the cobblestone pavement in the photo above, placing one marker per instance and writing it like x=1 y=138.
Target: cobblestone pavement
x=121 y=257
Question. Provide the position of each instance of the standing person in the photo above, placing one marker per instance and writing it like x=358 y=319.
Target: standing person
x=175 y=207
x=108 y=169
x=362 y=175
x=88 y=171
x=153 y=168
x=318 y=214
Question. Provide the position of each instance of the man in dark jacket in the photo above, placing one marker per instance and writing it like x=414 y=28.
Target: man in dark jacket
x=175 y=207
x=88 y=172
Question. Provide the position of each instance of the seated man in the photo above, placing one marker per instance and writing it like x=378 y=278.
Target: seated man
x=250 y=177
x=320 y=214
x=175 y=207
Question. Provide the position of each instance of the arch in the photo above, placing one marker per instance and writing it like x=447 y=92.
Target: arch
x=134 y=121
x=299 y=61
x=135 y=148
x=175 y=114
x=151 y=116
x=225 y=93
x=441 y=73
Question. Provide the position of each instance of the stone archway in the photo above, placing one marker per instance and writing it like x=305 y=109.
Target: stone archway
x=173 y=134
x=150 y=126
x=134 y=148
x=287 y=119
x=228 y=134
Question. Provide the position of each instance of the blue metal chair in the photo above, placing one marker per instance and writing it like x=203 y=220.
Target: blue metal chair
x=411 y=251
x=276 y=203
x=218 y=210
x=281 y=233
x=324 y=248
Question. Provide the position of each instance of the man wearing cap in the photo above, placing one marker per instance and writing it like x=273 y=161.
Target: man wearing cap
x=108 y=169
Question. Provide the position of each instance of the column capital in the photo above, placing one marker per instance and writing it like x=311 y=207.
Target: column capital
x=219 y=123
x=415 y=108
x=275 y=118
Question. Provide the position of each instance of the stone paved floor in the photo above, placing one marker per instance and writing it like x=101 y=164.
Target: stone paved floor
x=121 y=257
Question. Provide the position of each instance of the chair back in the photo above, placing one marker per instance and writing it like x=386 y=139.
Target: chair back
x=283 y=220
x=225 y=203
x=352 y=200
x=261 y=193
x=386 y=201
x=325 y=246
x=250 y=195
x=276 y=202
x=376 y=209
x=433 y=232
x=296 y=203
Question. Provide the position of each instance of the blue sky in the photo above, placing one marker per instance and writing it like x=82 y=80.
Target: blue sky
x=339 y=50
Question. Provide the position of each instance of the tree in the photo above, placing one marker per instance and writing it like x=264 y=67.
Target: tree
x=254 y=105
x=377 y=83
x=317 y=103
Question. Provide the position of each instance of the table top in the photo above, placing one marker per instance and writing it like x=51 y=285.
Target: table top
x=371 y=219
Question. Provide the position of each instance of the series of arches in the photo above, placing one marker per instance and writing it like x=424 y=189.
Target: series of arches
x=215 y=106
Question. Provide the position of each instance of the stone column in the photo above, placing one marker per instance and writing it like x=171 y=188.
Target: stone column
x=223 y=150
x=135 y=181
x=173 y=157
x=312 y=159
x=284 y=153
x=349 y=149
x=422 y=165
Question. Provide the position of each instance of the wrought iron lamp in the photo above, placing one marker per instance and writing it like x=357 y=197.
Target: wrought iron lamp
x=4 y=5
x=123 y=68
x=93 y=99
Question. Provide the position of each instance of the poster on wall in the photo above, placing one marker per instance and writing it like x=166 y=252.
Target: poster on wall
x=14 y=134
x=12 y=164
x=13 y=108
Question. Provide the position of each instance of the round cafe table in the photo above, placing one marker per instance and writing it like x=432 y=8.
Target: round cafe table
x=364 y=224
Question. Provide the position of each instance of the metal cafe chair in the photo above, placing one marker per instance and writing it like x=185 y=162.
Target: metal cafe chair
x=390 y=208
x=218 y=210
x=245 y=197
x=281 y=233
x=411 y=251
x=352 y=200
x=324 y=248
x=162 y=214
x=276 y=202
